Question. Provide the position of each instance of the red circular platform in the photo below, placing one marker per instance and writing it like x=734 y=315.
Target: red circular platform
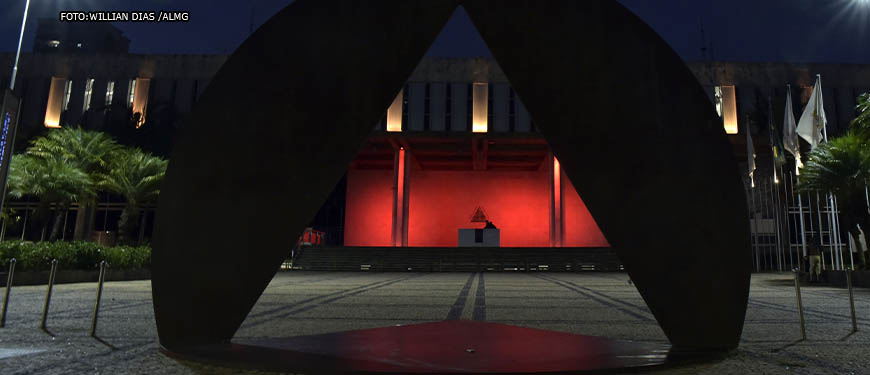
x=448 y=347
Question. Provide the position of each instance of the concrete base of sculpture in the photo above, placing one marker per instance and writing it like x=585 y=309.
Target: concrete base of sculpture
x=448 y=347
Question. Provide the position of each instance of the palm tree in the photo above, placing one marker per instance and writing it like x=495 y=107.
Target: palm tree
x=841 y=167
x=861 y=123
x=136 y=176
x=86 y=150
x=53 y=180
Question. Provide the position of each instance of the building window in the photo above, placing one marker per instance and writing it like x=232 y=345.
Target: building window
x=55 y=102
x=469 y=105
x=394 y=113
x=110 y=92
x=726 y=107
x=89 y=89
x=140 y=99
x=131 y=92
x=481 y=107
x=67 y=91
x=489 y=110
x=448 y=106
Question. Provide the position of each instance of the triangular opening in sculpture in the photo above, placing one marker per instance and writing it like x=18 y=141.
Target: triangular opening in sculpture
x=457 y=136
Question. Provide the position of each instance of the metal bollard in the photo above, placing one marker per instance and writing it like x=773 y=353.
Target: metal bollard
x=99 y=295
x=8 y=288
x=48 y=292
x=851 y=299
x=797 y=290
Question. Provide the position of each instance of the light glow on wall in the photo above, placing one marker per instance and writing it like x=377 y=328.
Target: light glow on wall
x=398 y=222
x=394 y=114
x=480 y=108
x=439 y=203
x=729 y=109
x=140 y=98
x=55 y=102
x=557 y=203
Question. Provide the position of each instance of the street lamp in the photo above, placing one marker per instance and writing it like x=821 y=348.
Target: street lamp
x=20 y=39
x=7 y=135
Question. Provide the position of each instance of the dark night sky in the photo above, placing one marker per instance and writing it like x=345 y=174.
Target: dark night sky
x=740 y=30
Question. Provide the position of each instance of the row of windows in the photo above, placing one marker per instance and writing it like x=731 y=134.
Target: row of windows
x=485 y=109
x=59 y=99
x=478 y=107
x=439 y=106
x=421 y=106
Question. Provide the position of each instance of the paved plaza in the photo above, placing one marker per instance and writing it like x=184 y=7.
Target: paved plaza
x=304 y=303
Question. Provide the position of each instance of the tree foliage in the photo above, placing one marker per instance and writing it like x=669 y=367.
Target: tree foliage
x=51 y=179
x=840 y=166
x=861 y=123
x=135 y=175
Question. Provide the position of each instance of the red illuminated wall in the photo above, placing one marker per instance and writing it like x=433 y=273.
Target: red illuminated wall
x=581 y=230
x=442 y=202
x=368 y=210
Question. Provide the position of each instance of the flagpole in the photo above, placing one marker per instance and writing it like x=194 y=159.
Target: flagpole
x=788 y=224
x=832 y=226
x=762 y=240
x=777 y=221
x=835 y=216
x=765 y=209
x=750 y=201
x=831 y=232
x=774 y=189
x=768 y=262
x=773 y=206
x=821 y=236
x=839 y=239
x=791 y=142
x=788 y=218
x=783 y=224
x=754 y=226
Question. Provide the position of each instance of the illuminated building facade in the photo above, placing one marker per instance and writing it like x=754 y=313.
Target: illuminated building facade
x=456 y=138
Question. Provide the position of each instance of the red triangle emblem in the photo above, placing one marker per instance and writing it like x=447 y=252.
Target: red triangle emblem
x=479 y=215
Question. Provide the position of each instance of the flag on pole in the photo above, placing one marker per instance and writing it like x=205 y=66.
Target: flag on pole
x=776 y=145
x=750 y=152
x=789 y=134
x=813 y=121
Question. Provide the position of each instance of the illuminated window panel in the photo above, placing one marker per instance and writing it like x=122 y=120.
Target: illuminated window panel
x=89 y=90
x=480 y=104
x=67 y=92
x=110 y=92
x=729 y=109
x=140 y=98
x=717 y=95
x=55 y=102
x=394 y=114
x=131 y=92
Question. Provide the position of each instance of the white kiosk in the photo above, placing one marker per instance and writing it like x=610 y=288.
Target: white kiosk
x=487 y=237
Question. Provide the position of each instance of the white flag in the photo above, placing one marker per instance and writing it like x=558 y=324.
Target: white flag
x=750 y=151
x=813 y=121
x=789 y=136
